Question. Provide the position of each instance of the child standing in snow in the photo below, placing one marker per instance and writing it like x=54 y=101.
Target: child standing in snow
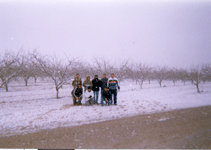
x=88 y=97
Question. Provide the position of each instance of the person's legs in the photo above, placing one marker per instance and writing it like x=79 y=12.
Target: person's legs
x=74 y=100
x=112 y=93
x=109 y=102
x=115 y=96
x=101 y=96
x=97 y=92
x=79 y=101
x=102 y=99
x=91 y=101
x=94 y=98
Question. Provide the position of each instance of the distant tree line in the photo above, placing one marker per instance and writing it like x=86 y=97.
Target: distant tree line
x=61 y=71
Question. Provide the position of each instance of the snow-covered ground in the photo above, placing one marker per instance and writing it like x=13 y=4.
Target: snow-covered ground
x=29 y=109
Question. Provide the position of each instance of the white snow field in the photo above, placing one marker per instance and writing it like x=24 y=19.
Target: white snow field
x=35 y=107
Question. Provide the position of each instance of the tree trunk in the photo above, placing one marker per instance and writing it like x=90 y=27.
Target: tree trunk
x=26 y=82
x=149 y=81
x=6 y=86
x=197 y=86
x=57 y=92
x=141 y=84
x=35 y=80
x=160 y=83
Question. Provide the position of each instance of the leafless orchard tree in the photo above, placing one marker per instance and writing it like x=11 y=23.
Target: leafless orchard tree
x=56 y=69
x=91 y=70
x=27 y=69
x=160 y=74
x=132 y=73
x=150 y=76
x=82 y=68
x=183 y=75
x=120 y=70
x=101 y=66
x=10 y=66
x=36 y=70
x=196 y=76
x=173 y=75
x=206 y=72
x=143 y=72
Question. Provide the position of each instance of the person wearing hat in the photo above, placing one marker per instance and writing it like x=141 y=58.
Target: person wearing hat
x=76 y=81
x=77 y=95
x=88 y=96
x=106 y=96
x=96 y=83
x=87 y=83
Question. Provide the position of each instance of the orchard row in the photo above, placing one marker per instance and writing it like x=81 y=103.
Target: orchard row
x=61 y=71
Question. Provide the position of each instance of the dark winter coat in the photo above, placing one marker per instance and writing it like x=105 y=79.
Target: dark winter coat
x=78 y=92
x=96 y=83
x=104 y=82
x=106 y=94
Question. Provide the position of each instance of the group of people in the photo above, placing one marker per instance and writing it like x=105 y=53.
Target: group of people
x=91 y=90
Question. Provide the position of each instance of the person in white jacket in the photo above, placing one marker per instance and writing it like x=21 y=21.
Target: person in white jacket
x=88 y=97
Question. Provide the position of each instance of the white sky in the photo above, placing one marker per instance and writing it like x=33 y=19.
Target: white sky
x=174 y=33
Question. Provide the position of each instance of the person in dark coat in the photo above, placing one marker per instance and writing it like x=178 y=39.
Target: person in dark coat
x=96 y=84
x=104 y=81
x=106 y=96
x=77 y=94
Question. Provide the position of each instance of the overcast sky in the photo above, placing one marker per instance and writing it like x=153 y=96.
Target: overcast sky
x=175 y=33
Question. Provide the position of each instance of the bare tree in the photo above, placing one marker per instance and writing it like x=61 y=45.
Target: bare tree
x=36 y=71
x=27 y=69
x=173 y=74
x=206 y=72
x=143 y=72
x=183 y=75
x=150 y=76
x=132 y=73
x=102 y=66
x=56 y=69
x=120 y=70
x=196 y=76
x=10 y=66
x=25 y=73
x=160 y=74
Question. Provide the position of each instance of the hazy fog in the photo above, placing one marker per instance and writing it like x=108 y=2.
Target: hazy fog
x=174 y=33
